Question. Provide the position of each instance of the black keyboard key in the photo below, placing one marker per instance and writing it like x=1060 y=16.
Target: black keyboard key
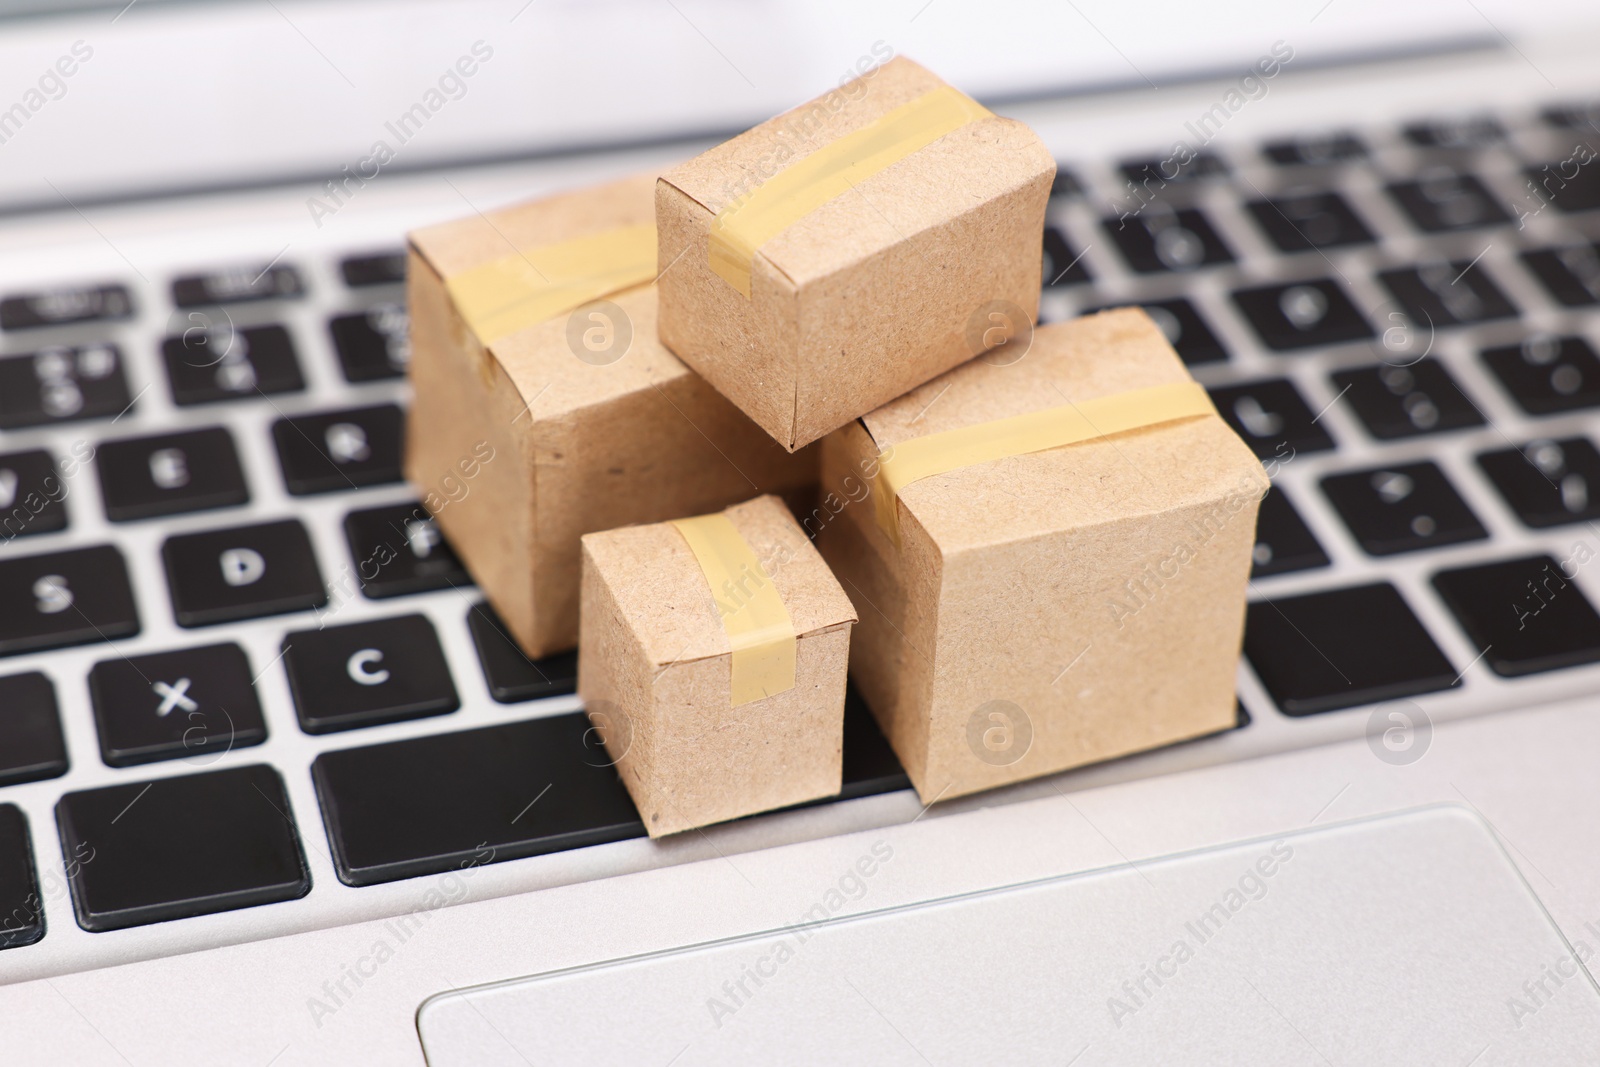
x=21 y=909
x=1063 y=265
x=340 y=449
x=1402 y=508
x=367 y=673
x=1316 y=150
x=1526 y=615
x=379 y=268
x=1301 y=222
x=1571 y=274
x=65 y=598
x=1577 y=116
x=511 y=676
x=1396 y=402
x=32 y=495
x=1568 y=184
x=1185 y=330
x=435 y=804
x=1548 y=375
x=1197 y=167
x=1272 y=417
x=237 y=285
x=1341 y=648
x=62 y=385
x=31 y=745
x=1284 y=543
x=65 y=306
x=1457 y=134
x=870 y=765
x=197 y=704
x=242 y=573
x=1066 y=183
x=373 y=345
x=1157 y=241
x=1547 y=483
x=1454 y=293
x=1305 y=314
x=208 y=365
x=1442 y=200
x=179 y=847
x=168 y=474
x=399 y=550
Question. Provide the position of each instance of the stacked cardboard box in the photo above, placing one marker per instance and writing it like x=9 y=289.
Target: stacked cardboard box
x=1043 y=556
x=586 y=421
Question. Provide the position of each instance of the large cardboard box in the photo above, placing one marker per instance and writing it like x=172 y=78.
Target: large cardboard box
x=713 y=664
x=1049 y=608
x=826 y=261
x=520 y=442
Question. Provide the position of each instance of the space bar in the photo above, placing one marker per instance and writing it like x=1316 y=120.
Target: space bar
x=433 y=804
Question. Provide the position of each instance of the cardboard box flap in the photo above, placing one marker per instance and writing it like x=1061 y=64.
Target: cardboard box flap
x=765 y=150
x=554 y=375
x=554 y=382
x=1138 y=473
x=668 y=604
x=886 y=206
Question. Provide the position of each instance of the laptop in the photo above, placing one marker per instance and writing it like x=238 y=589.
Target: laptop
x=227 y=835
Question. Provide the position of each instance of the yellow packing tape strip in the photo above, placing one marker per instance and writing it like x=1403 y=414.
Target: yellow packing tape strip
x=533 y=285
x=759 y=628
x=923 y=457
x=793 y=193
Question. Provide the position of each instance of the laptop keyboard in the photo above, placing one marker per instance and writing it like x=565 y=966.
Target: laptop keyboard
x=201 y=843
x=1396 y=321
x=62 y=384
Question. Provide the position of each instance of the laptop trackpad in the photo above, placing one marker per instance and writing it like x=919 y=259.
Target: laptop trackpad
x=1404 y=939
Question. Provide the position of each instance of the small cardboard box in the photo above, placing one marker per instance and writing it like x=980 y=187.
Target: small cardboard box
x=1048 y=608
x=684 y=718
x=808 y=309
x=579 y=422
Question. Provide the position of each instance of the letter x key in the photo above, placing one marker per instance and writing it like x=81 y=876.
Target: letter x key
x=174 y=696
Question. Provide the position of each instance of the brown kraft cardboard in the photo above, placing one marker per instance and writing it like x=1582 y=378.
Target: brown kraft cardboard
x=583 y=422
x=655 y=671
x=1055 y=608
x=873 y=292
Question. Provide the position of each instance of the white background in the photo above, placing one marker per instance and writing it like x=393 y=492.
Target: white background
x=179 y=94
